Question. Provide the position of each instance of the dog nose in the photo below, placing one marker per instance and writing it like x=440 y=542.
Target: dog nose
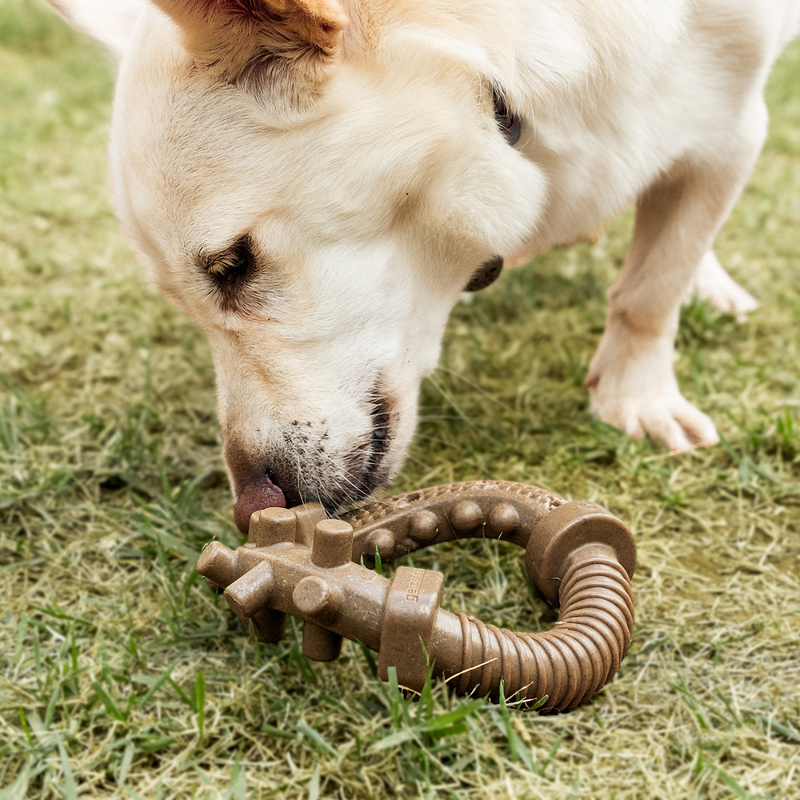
x=254 y=484
x=258 y=493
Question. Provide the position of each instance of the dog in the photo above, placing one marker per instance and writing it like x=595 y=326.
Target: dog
x=315 y=182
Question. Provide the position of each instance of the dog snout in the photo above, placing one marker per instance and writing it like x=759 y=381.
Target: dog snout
x=311 y=462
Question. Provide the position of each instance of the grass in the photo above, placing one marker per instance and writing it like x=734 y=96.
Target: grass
x=121 y=676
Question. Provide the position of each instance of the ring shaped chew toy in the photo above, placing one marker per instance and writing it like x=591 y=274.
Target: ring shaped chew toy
x=581 y=557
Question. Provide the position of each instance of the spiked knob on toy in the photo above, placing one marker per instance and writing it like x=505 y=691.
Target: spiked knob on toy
x=218 y=565
x=251 y=592
x=272 y=526
x=333 y=543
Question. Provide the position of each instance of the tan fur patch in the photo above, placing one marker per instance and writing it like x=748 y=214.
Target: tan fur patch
x=322 y=20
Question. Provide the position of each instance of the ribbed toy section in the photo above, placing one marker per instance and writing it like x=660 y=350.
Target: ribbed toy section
x=569 y=663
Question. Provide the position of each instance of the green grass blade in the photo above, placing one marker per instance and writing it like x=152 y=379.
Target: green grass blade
x=69 y=788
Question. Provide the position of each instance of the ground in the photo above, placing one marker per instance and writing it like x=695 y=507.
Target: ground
x=122 y=676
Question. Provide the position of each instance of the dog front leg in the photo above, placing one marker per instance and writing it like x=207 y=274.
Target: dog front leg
x=631 y=377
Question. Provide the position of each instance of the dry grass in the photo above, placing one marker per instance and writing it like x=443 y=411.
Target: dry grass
x=121 y=677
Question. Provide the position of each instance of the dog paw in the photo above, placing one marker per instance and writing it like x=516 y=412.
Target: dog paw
x=712 y=282
x=633 y=387
x=669 y=419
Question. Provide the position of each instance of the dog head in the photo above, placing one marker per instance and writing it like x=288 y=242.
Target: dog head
x=314 y=183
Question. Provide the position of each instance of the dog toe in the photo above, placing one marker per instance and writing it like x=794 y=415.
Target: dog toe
x=672 y=421
x=697 y=426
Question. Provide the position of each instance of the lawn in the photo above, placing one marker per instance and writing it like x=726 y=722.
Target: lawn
x=122 y=676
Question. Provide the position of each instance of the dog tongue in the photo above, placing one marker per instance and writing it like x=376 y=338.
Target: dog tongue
x=254 y=497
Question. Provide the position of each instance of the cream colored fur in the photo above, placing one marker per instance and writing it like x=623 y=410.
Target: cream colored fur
x=372 y=179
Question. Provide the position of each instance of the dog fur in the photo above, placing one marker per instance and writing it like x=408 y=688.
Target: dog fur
x=314 y=182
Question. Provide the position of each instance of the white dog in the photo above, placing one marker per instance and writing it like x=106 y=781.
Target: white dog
x=315 y=182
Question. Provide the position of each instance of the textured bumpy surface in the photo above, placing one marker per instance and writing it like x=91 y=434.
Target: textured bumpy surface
x=473 y=509
x=297 y=562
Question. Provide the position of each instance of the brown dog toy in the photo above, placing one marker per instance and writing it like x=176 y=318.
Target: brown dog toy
x=581 y=557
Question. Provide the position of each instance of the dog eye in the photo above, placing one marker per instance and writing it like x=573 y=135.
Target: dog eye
x=230 y=270
x=485 y=275
x=508 y=122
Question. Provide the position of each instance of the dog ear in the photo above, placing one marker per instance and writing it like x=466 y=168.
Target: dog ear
x=281 y=52
x=110 y=23
x=210 y=25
